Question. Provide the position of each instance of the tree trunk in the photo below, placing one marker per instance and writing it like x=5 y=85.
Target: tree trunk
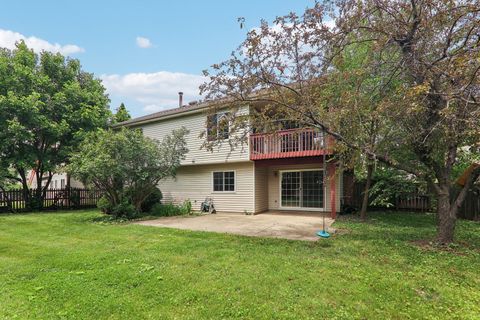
x=447 y=217
x=37 y=201
x=25 y=189
x=366 y=192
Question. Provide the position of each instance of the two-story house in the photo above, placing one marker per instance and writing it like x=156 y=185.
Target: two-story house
x=280 y=170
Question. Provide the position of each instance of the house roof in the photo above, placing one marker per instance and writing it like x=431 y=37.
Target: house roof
x=191 y=107
x=163 y=114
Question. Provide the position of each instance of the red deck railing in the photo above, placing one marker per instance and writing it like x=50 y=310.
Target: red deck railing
x=287 y=144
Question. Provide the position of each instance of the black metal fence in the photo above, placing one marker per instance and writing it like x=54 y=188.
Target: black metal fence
x=55 y=199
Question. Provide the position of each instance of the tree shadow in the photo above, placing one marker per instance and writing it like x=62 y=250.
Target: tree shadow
x=408 y=227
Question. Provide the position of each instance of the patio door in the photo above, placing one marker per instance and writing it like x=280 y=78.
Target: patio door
x=302 y=189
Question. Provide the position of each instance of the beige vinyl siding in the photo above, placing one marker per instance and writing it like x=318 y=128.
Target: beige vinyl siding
x=195 y=123
x=274 y=185
x=195 y=183
x=261 y=189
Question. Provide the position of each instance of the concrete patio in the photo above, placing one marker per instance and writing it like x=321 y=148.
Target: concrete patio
x=286 y=225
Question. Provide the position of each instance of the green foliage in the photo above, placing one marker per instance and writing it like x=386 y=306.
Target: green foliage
x=169 y=210
x=153 y=198
x=104 y=205
x=6 y=183
x=389 y=183
x=74 y=197
x=47 y=105
x=127 y=166
x=124 y=209
x=465 y=158
x=360 y=92
x=119 y=211
x=122 y=114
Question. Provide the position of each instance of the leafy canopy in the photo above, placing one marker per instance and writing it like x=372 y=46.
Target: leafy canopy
x=127 y=166
x=47 y=105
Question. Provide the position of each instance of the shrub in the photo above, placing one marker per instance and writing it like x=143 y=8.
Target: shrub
x=74 y=197
x=170 y=210
x=104 y=205
x=126 y=166
x=122 y=210
x=153 y=198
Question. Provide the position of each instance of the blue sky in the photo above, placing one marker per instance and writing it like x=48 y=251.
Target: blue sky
x=145 y=51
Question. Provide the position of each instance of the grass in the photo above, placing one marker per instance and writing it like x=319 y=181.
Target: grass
x=66 y=266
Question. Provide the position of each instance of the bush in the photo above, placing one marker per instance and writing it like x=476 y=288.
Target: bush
x=104 y=205
x=122 y=210
x=154 y=198
x=74 y=197
x=124 y=163
x=170 y=210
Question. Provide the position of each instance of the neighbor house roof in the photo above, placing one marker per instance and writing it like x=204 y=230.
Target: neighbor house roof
x=463 y=178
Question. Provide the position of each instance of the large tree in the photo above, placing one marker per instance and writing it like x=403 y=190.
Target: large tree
x=430 y=47
x=47 y=104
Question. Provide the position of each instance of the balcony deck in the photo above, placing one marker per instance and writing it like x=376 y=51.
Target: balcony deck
x=288 y=144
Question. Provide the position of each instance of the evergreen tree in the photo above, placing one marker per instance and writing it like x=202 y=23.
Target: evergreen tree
x=122 y=114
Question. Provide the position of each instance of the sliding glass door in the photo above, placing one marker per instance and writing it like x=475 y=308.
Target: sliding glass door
x=302 y=189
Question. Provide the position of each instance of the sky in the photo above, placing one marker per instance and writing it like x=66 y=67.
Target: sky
x=145 y=52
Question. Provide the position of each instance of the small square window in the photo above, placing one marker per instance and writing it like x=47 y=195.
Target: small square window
x=224 y=181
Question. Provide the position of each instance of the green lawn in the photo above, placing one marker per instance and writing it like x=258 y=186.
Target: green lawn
x=65 y=265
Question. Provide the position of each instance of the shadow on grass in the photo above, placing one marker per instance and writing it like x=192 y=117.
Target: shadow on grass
x=46 y=212
x=405 y=226
x=109 y=219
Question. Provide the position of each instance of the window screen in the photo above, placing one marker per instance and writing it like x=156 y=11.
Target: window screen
x=224 y=181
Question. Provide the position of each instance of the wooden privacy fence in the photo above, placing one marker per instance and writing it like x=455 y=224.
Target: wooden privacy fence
x=55 y=199
x=415 y=201
x=471 y=206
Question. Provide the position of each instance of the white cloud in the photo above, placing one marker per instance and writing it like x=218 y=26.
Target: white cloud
x=153 y=91
x=9 y=38
x=143 y=42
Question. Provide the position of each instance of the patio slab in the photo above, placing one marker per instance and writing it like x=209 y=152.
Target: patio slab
x=294 y=226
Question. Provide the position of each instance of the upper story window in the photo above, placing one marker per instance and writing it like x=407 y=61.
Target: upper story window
x=218 y=126
x=224 y=181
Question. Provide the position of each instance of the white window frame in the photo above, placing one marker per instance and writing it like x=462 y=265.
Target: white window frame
x=219 y=115
x=234 y=181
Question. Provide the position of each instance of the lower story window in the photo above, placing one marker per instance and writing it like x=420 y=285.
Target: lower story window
x=224 y=181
